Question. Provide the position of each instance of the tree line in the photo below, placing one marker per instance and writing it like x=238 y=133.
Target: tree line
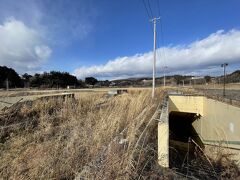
x=56 y=79
x=9 y=75
x=52 y=79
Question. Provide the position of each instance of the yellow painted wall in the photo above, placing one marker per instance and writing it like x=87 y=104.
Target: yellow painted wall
x=163 y=138
x=219 y=122
x=189 y=104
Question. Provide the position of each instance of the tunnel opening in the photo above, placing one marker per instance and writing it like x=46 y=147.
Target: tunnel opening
x=181 y=128
x=180 y=147
x=183 y=139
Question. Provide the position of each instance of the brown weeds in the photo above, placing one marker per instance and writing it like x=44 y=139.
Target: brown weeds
x=91 y=136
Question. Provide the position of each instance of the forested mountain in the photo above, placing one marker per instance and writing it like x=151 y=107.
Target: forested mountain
x=234 y=77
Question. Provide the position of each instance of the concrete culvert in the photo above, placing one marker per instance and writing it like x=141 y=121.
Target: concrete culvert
x=183 y=138
x=188 y=127
x=180 y=126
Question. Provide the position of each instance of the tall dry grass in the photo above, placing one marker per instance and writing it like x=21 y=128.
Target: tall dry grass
x=90 y=137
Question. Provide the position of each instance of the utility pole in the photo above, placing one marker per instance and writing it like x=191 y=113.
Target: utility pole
x=7 y=84
x=164 y=76
x=224 y=77
x=154 y=20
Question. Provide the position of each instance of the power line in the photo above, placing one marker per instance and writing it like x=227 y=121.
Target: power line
x=150 y=9
x=158 y=7
x=149 y=17
x=152 y=18
x=161 y=39
x=160 y=53
x=163 y=42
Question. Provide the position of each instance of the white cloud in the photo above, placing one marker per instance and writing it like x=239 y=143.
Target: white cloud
x=21 y=47
x=215 y=49
x=43 y=52
x=60 y=22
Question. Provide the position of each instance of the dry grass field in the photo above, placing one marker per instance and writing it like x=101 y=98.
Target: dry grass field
x=89 y=137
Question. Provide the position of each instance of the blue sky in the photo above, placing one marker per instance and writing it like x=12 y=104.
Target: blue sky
x=112 y=39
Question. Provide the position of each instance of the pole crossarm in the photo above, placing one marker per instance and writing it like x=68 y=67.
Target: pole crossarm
x=155 y=19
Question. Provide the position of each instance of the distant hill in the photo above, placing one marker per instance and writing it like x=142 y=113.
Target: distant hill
x=55 y=79
x=146 y=81
x=234 y=77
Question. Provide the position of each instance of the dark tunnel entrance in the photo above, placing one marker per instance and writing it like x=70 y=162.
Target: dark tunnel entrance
x=180 y=126
x=183 y=139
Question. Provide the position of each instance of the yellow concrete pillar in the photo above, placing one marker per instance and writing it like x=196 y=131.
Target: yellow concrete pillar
x=163 y=138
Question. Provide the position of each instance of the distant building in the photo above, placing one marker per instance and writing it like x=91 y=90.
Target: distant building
x=197 y=80
x=170 y=81
x=112 y=84
x=147 y=82
x=71 y=87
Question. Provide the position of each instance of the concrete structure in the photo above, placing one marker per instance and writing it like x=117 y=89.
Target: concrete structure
x=188 y=104
x=163 y=137
x=215 y=123
x=116 y=92
x=9 y=101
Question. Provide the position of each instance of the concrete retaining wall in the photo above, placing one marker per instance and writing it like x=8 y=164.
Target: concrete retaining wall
x=219 y=123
